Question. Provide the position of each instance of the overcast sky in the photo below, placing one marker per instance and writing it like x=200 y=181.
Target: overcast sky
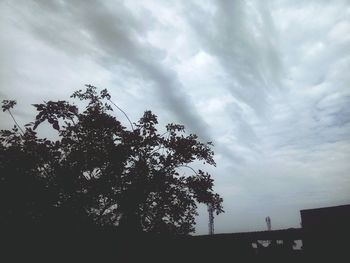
x=267 y=81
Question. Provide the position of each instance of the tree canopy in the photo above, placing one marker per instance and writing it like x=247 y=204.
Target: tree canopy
x=101 y=172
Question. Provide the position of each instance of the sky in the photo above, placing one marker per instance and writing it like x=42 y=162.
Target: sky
x=267 y=81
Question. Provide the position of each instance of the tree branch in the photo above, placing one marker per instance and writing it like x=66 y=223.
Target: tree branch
x=15 y=121
x=132 y=127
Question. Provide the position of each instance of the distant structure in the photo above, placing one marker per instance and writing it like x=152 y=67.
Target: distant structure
x=211 y=219
x=268 y=223
x=323 y=237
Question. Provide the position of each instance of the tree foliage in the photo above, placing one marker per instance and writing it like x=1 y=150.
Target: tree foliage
x=99 y=171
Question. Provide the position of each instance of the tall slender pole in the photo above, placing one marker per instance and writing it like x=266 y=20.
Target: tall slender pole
x=211 y=219
x=268 y=222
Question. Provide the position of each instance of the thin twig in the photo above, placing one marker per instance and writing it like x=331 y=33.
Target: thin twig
x=16 y=122
x=71 y=118
x=161 y=146
x=164 y=133
x=188 y=167
x=132 y=127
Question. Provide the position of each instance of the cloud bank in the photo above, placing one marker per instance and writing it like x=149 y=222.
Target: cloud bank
x=266 y=81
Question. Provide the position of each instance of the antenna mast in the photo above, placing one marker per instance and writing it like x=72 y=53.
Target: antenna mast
x=268 y=222
x=211 y=219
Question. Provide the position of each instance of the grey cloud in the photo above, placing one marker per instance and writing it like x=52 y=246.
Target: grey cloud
x=243 y=39
x=248 y=54
x=92 y=29
x=243 y=131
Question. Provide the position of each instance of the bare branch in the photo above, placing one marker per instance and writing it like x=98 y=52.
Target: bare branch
x=19 y=127
x=132 y=127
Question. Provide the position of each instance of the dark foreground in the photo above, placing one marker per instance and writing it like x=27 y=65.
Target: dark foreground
x=47 y=245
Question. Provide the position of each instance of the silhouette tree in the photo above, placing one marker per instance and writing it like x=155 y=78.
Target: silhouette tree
x=99 y=171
